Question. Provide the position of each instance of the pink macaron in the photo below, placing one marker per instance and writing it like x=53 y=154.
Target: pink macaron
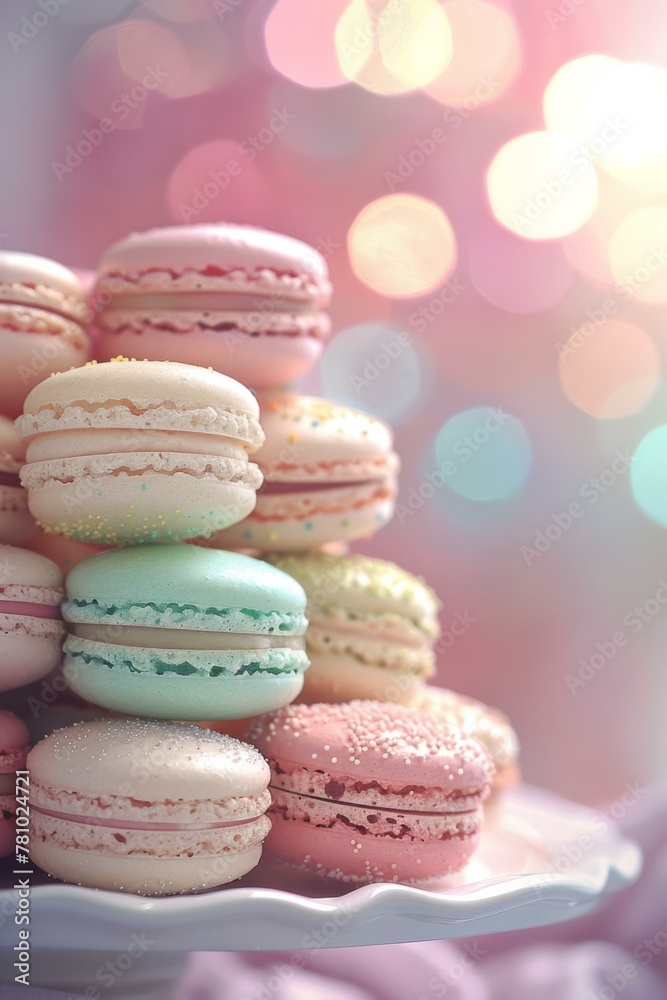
x=17 y=524
x=329 y=476
x=43 y=317
x=242 y=300
x=370 y=792
x=14 y=746
x=153 y=808
x=31 y=626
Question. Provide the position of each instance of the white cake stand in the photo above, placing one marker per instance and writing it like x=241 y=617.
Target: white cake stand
x=542 y=860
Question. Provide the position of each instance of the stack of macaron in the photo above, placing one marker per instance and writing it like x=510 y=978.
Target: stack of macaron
x=201 y=511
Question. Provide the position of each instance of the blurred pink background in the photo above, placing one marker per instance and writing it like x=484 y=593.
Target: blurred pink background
x=502 y=306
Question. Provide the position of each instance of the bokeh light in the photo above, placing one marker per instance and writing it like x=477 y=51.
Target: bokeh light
x=402 y=246
x=392 y=48
x=299 y=37
x=515 y=275
x=648 y=475
x=486 y=55
x=483 y=453
x=609 y=369
x=588 y=248
x=187 y=66
x=569 y=99
x=375 y=367
x=541 y=186
x=638 y=254
x=631 y=101
x=102 y=87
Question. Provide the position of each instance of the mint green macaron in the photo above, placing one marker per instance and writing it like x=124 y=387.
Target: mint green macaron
x=181 y=632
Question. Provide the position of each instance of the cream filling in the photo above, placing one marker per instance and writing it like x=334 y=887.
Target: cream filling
x=177 y=638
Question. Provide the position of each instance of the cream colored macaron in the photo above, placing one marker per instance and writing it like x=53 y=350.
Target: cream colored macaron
x=132 y=451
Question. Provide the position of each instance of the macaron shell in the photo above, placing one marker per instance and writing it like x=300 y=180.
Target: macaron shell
x=163 y=576
x=374 y=743
x=29 y=358
x=143 y=875
x=144 y=384
x=353 y=587
x=149 y=761
x=38 y=281
x=24 y=569
x=211 y=256
x=14 y=739
x=261 y=358
x=309 y=439
x=27 y=655
x=189 y=698
x=339 y=842
x=151 y=501
x=332 y=678
x=42 y=310
x=296 y=522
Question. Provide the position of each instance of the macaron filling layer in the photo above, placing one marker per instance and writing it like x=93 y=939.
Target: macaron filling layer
x=374 y=821
x=142 y=414
x=46 y=297
x=341 y=788
x=29 y=610
x=183 y=662
x=117 y=823
x=208 y=302
x=184 y=616
x=152 y=637
x=117 y=283
x=10 y=479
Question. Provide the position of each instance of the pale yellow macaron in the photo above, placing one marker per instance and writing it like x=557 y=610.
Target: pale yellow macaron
x=372 y=627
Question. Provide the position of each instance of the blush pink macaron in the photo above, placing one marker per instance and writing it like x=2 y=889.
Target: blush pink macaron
x=242 y=300
x=14 y=746
x=17 y=524
x=43 y=320
x=369 y=792
x=330 y=475
x=31 y=625
x=154 y=808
